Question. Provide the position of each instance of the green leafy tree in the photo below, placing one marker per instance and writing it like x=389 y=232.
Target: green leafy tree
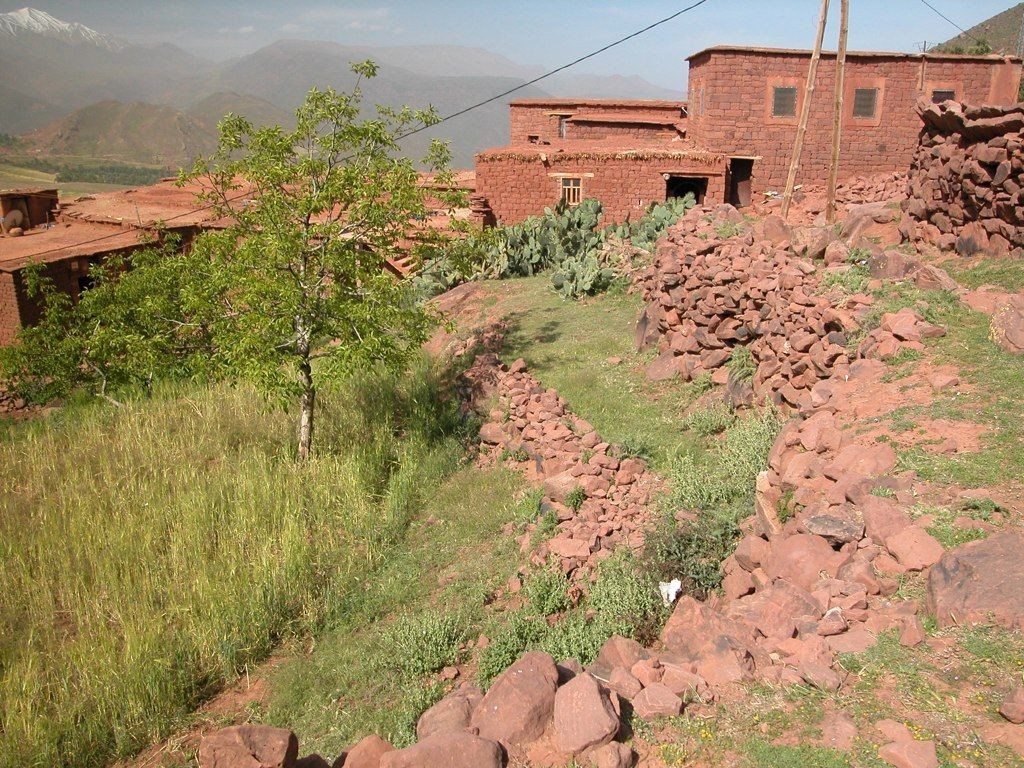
x=294 y=291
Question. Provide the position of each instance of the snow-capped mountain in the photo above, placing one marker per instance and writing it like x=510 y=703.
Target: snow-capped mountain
x=33 y=21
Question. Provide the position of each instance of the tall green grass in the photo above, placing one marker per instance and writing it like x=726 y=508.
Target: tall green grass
x=149 y=554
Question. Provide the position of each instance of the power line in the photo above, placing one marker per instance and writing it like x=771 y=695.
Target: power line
x=944 y=16
x=444 y=119
x=546 y=75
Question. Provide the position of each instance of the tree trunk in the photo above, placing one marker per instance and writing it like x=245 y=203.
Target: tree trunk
x=306 y=405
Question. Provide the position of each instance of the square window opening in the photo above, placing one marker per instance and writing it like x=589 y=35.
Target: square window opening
x=940 y=95
x=572 y=191
x=784 y=101
x=865 y=103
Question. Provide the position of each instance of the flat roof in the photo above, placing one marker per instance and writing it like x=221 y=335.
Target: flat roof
x=64 y=241
x=603 y=148
x=991 y=57
x=630 y=103
x=146 y=207
x=48 y=191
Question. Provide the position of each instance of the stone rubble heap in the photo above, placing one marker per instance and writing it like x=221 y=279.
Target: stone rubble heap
x=534 y=428
x=717 y=283
x=967 y=178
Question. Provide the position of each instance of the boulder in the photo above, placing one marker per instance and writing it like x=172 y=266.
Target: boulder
x=1008 y=324
x=910 y=754
x=979 y=581
x=1012 y=707
x=452 y=713
x=801 y=558
x=249 y=746
x=914 y=548
x=657 y=700
x=520 y=702
x=584 y=715
x=367 y=753
x=452 y=749
x=612 y=755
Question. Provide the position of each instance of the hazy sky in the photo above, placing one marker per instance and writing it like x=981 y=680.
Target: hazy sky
x=541 y=32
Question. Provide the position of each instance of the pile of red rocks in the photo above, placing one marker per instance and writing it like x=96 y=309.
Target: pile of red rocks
x=536 y=710
x=600 y=498
x=967 y=178
x=718 y=283
x=904 y=329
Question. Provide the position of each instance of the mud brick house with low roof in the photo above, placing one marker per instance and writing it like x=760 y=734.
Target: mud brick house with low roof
x=731 y=141
x=67 y=239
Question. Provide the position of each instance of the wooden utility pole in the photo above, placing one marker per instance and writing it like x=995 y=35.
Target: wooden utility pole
x=837 y=126
x=805 y=113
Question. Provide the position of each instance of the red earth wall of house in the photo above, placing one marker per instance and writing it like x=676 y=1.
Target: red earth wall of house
x=518 y=186
x=730 y=108
x=541 y=119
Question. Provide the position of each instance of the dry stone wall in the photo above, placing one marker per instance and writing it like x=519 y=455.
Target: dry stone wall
x=967 y=178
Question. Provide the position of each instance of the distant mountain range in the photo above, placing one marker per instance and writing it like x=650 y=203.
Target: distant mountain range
x=1001 y=32
x=74 y=90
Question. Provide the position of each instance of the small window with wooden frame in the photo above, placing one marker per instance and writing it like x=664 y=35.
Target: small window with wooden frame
x=572 y=190
x=784 y=98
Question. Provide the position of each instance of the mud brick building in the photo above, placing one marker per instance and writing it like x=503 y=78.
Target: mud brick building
x=731 y=141
x=68 y=238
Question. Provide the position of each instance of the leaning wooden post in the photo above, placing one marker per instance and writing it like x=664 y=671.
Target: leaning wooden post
x=837 y=126
x=805 y=113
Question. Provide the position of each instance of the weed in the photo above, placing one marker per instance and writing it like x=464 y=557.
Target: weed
x=853 y=279
x=419 y=645
x=574 y=499
x=519 y=454
x=728 y=229
x=701 y=385
x=763 y=754
x=545 y=592
x=946 y=531
x=741 y=364
x=529 y=507
x=710 y=420
x=507 y=643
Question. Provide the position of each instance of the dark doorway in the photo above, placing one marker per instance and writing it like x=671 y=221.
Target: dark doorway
x=680 y=186
x=740 y=171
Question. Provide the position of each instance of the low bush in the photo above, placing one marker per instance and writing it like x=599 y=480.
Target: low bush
x=420 y=645
x=741 y=364
x=545 y=592
x=574 y=499
x=713 y=419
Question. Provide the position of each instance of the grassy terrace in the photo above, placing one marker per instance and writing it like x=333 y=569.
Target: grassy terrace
x=150 y=554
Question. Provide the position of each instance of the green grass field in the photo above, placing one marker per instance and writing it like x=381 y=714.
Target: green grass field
x=150 y=554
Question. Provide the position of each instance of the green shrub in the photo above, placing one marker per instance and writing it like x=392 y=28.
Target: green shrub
x=710 y=420
x=702 y=385
x=852 y=280
x=507 y=643
x=574 y=499
x=527 y=509
x=545 y=592
x=577 y=636
x=626 y=599
x=731 y=471
x=741 y=365
x=420 y=645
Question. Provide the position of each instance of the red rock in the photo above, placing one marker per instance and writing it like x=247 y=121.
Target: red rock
x=1012 y=707
x=249 y=746
x=312 y=761
x=559 y=486
x=1008 y=324
x=519 y=704
x=914 y=548
x=866 y=460
x=838 y=731
x=979 y=581
x=584 y=716
x=910 y=754
x=751 y=552
x=612 y=755
x=624 y=683
x=912 y=632
x=452 y=713
x=657 y=700
x=852 y=641
x=893 y=730
x=492 y=433
x=452 y=749
x=801 y=558
x=367 y=753
x=621 y=652
x=882 y=518
x=832 y=623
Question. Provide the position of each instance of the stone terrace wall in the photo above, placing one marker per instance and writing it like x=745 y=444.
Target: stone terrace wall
x=967 y=177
